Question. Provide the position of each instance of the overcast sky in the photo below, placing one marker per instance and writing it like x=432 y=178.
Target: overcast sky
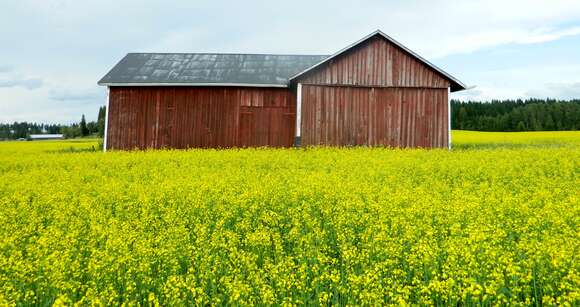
x=53 y=52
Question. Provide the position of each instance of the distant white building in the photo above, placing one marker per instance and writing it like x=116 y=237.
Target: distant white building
x=38 y=137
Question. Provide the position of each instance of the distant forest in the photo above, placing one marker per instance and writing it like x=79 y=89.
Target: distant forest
x=516 y=115
x=21 y=130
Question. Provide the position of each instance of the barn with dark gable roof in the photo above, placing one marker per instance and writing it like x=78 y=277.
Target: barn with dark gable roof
x=375 y=92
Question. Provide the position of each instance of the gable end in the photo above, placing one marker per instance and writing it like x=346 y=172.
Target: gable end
x=377 y=61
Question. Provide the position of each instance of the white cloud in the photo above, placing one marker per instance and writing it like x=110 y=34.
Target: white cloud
x=74 y=94
x=434 y=29
x=488 y=93
x=30 y=84
x=5 y=68
x=563 y=90
x=11 y=78
x=70 y=44
x=495 y=37
x=542 y=36
x=449 y=27
x=19 y=104
x=556 y=90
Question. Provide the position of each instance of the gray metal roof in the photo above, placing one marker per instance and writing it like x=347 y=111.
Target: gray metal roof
x=208 y=69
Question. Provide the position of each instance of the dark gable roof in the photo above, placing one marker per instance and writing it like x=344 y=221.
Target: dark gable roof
x=208 y=69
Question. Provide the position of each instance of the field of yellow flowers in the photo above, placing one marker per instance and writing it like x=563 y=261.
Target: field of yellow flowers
x=486 y=223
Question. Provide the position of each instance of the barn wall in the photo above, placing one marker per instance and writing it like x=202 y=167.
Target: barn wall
x=376 y=63
x=396 y=117
x=375 y=94
x=202 y=117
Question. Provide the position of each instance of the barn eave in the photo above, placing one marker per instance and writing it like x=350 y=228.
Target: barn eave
x=194 y=84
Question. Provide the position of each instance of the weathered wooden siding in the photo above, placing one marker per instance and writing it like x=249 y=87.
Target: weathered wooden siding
x=374 y=94
x=376 y=63
x=397 y=117
x=205 y=117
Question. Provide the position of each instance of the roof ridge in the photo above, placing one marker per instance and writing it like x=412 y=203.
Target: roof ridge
x=230 y=53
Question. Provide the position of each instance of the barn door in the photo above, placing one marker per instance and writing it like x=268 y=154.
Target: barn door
x=246 y=129
x=266 y=126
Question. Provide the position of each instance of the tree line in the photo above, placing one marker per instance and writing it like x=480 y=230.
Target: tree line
x=22 y=130
x=516 y=115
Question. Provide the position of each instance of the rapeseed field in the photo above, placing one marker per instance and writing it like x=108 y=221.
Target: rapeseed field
x=484 y=224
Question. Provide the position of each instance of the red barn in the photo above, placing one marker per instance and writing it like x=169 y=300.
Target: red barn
x=375 y=92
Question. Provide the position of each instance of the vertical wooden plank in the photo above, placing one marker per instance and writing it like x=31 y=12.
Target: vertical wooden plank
x=376 y=62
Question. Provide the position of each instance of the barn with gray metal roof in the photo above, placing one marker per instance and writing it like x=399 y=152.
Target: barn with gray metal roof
x=374 y=92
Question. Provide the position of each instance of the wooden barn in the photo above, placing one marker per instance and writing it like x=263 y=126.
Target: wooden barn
x=375 y=92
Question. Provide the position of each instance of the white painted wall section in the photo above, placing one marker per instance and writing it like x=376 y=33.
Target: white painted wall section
x=449 y=117
x=298 y=113
x=106 y=121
